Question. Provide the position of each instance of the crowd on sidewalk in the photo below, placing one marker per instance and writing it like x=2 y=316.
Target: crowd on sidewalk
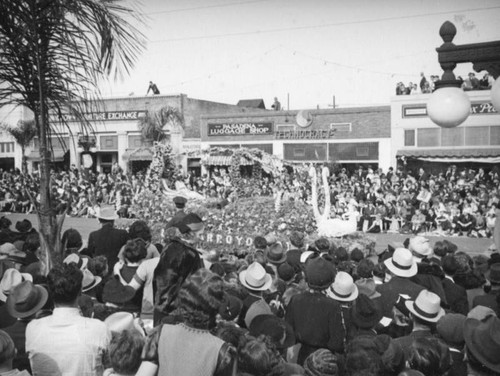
x=119 y=305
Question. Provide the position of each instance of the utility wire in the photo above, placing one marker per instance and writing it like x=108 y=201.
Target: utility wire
x=205 y=7
x=309 y=27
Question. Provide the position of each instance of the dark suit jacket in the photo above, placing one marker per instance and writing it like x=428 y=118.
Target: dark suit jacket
x=488 y=300
x=406 y=341
x=390 y=293
x=107 y=242
x=456 y=297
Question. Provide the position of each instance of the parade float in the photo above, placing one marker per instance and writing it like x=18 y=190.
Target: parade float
x=232 y=224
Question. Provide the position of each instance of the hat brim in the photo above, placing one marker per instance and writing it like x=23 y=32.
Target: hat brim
x=409 y=305
x=268 y=282
x=107 y=218
x=277 y=262
x=97 y=280
x=43 y=297
x=469 y=326
x=401 y=272
x=349 y=298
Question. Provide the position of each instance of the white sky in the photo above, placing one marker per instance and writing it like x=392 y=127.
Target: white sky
x=357 y=50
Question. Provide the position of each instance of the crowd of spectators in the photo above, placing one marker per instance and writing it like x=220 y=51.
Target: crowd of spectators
x=471 y=82
x=119 y=305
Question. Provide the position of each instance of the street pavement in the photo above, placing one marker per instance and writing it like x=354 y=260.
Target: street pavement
x=86 y=225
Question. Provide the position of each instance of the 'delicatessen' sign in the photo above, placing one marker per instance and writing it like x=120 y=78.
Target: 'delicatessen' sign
x=240 y=129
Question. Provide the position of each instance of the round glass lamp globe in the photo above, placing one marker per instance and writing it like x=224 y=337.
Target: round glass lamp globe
x=495 y=94
x=448 y=107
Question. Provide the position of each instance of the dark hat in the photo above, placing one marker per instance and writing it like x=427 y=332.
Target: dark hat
x=364 y=313
x=493 y=275
x=280 y=332
x=494 y=258
x=276 y=254
x=260 y=242
x=320 y=273
x=26 y=299
x=483 y=341
x=450 y=328
x=23 y=226
x=230 y=307
x=180 y=201
x=117 y=293
x=322 y=362
x=293 y=259
x=286 y=272
x=190 y=222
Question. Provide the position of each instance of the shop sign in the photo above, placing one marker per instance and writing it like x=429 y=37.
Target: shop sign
x=315 y=134
x=240 y=129
x=475 y=109
x=107 y=116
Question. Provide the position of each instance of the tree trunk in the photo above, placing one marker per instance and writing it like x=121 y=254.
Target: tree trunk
x=24 y=161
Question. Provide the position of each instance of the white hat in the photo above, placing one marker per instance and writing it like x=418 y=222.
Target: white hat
x=255 y=277
x=402 y=263
x=305 y=255
x=89 y=280
x=343 y=288
x=427 y=306
x=106 y=212
x=421 y=246
x=80 y=262
x=11 y=278
x=121 y=321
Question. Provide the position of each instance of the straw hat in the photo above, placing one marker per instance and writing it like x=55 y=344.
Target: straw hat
x=427 y=306
x=107 y=212
x=89 y=280
x=255 y=277
x=80 y=262
x=11 y=278
x=343 y=288
x=121 y=321
x=402 y=263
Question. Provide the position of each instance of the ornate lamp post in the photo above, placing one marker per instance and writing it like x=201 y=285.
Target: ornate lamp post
x=449 y=105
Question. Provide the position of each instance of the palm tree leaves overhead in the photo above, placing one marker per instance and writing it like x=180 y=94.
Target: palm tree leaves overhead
x=157 y=123
x=62 y=49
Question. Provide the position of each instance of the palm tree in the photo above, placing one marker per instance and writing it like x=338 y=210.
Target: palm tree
x=24 y=134
x=52 y=53
x=155 y=123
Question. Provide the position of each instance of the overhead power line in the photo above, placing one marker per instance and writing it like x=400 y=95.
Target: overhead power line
x=310 y=27
x=205 y=7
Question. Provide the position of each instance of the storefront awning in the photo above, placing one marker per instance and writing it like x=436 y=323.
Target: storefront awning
x=483 y=155
x=56 y=156
x=224 y=160
x=139 y=154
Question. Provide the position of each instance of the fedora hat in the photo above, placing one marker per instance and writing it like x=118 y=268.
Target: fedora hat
x=80 y=262
x=23 y=226
x=121 y=321
x=89 y=280
x=368 y=287
x=280 y=332
x=26 y=299
x=343 y=288
x=364 y=312
x=493 y=274
x=427 y=306
x=106 y=212
x=276 y=254
x=255 y=277
x=482 y=338
x=320 y=273
x=402 y=263
x=11 y=278
x=258 y=308
x=420 y=246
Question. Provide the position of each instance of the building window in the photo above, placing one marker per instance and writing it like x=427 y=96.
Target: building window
x=452 y=136
x=495 y=135
x=6 y=147
x=299 y=152
x=428 y=137
x=341 y=127
x=362 y=152
x=135 y=141
x=477 y=136
x=409 y=137
x=109 y=142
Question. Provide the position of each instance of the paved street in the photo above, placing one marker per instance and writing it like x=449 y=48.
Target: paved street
x=86 y=225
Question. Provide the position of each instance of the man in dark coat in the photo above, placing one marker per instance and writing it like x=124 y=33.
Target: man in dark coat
x=180 y=203
x=456 y=295
x=108 y=240
x=491 y=299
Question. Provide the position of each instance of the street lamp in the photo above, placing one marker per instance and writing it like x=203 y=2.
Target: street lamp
x=449 y=105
